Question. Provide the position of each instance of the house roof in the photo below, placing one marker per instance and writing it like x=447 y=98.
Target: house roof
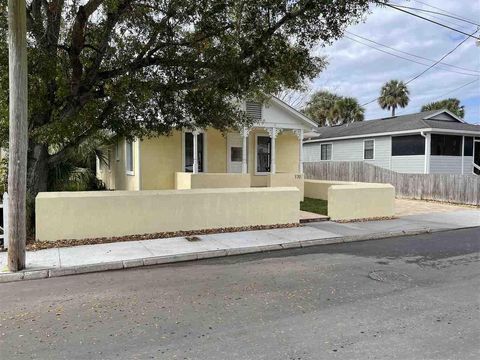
x=431 y=120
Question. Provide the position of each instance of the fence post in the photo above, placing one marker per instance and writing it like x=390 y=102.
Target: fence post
x=5 y=220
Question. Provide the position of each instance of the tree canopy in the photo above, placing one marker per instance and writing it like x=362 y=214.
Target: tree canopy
x=394 y=94
x=327 y=108
x=451 y=104
x=143 y=67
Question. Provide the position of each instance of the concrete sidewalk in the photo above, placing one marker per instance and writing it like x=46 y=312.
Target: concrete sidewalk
x=121 y=255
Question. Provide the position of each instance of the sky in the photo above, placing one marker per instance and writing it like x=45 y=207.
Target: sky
x=360 y=71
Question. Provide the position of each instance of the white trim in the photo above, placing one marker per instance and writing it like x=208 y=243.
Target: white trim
x=463 y=154
x=445 y=111
x=416 y=131
x=294 y=112
x=331 y=152
x=129 y=172
x=139 y=162
x=365 y=140
x=256 y=153
x=205 y=157
x=475 y=141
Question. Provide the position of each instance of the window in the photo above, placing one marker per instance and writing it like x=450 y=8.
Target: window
x=189 y=152
x=117 y=151
x=368 y=149
x=468 y=146
x=326 y=152
x=129 y=157
x=408 y=145
x=236 y=154
x=446 y=145
x=264 y=149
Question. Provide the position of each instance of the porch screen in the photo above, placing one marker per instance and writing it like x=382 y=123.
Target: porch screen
x=189 y=152
x=264 y=147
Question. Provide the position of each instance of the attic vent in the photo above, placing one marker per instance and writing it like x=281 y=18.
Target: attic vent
x=254 y=110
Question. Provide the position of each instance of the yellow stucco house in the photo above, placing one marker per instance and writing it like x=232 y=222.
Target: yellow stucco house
x=267 y=154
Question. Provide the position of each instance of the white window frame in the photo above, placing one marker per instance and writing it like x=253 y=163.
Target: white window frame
x=205 y=157
x=364 y=141
x=331 y=152
x=256 y=153
x=127 y=171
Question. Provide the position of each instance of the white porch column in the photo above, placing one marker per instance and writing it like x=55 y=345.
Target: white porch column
x=428 y=145
x=299 y=134
x=273 y=132
x=244 y=149
x=195 y=151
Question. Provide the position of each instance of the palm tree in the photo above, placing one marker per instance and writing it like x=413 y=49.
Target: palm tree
x=394 y=94
x=451 y=104
x=347 y=110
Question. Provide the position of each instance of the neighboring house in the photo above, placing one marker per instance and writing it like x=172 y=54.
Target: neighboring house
x=272 y=145
x=427 y=142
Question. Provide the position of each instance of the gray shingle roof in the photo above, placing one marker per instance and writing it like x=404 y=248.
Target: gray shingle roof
x=392 y=124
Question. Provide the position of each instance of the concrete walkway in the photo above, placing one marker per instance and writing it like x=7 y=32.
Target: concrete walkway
x=113 y=256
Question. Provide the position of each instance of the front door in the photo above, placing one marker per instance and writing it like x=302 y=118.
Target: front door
x=476 y=157
x=234 y=153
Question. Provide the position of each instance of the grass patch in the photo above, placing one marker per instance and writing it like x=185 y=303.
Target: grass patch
x=316 y=206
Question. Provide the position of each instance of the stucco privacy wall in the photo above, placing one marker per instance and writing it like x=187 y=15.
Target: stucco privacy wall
x=318 y=189
x=361 y=201
x=281 y=180
x=79 y=215
x=351 y=200
x=211 y=181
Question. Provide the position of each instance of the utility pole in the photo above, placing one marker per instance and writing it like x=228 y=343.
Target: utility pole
x=18 y=134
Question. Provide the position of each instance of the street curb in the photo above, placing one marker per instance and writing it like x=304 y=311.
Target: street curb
x=209 y=254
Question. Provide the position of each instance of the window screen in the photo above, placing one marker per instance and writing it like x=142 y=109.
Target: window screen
x=468 y=146
x=408 y=145
x=263 y=153
x=326 y=152
x=368 y=149
x=446 y=145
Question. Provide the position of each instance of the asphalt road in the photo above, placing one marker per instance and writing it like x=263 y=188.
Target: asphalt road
x=401 y=298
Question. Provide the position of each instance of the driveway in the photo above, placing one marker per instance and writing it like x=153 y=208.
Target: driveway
x=405 y=207
x=399 y=298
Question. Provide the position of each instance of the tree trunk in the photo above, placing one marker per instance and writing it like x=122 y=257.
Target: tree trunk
x=393 y=111
x=18 y=134
x=37 y=180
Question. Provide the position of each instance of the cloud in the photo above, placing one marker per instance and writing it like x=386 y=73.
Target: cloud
x=360 y=71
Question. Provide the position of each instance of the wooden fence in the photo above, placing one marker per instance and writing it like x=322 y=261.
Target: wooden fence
x=461 y=189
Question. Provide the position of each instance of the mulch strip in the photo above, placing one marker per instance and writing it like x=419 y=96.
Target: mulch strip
x=41 y=245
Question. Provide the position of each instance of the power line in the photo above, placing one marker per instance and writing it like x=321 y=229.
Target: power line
x=427 y=19
x=407 y=59
x=437 y=13
x=456 y=89
x=407 y=53
x=437 y=62
x=445 y=11
x=431 y=66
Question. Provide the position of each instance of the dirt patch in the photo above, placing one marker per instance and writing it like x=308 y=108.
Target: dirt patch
x=366 y=219
x=41 y=245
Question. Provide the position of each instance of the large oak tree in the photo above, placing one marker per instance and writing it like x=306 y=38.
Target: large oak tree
x=143 y=67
